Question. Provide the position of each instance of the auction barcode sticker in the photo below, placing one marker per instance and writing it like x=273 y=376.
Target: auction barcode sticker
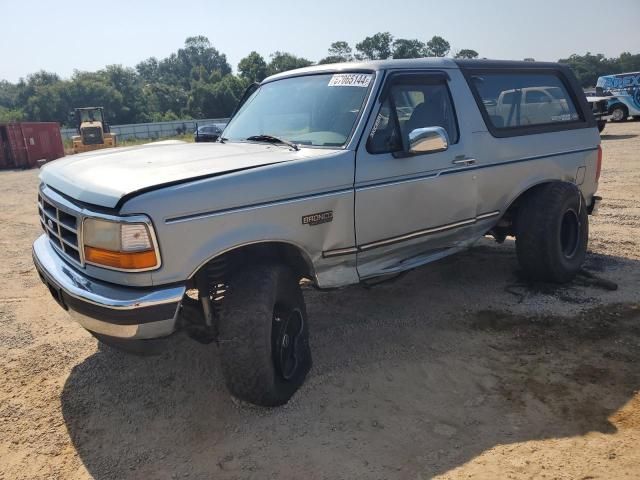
x=351 y=80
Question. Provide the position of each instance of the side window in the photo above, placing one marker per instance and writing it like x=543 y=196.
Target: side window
x=536 y=96
x=517 y=100
x=384 y=136
x=407 y=107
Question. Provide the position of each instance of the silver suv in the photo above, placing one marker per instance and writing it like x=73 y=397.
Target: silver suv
x=337 y=174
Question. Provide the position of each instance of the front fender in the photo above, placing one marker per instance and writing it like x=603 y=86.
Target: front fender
x=188 y=243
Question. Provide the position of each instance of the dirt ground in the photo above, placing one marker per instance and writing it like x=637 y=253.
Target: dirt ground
x=457 y=370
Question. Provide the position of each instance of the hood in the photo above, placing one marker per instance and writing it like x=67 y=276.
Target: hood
x=104 y=177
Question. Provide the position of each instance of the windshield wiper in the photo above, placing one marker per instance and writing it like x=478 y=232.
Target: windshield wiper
x=272 y=139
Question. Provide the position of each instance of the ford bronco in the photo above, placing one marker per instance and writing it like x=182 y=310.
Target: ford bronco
x=336 y=174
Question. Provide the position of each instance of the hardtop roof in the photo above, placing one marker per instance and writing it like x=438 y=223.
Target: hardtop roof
x=414 y=63
x=370 y=65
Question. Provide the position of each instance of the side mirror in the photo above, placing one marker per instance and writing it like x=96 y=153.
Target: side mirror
x=428 y=140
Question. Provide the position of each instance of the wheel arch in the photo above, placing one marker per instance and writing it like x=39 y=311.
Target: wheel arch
x=620 y=104
x=281 y=251
x=507 y=219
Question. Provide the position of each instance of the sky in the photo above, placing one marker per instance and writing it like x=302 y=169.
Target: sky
x=62 y=36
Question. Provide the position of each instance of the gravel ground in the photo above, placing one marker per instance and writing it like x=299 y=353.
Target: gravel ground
x=457 y=370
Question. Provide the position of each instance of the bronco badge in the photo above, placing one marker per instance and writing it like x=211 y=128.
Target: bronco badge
x=318 y=218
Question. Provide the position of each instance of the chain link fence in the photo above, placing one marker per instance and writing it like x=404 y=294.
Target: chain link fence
x=153 y=130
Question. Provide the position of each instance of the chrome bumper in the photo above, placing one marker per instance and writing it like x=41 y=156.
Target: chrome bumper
x=107 y=309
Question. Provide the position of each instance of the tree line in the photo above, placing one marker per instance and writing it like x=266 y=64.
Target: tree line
x=197 y=81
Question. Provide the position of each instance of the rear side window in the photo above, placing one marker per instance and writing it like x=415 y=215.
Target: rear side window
x=524 y=100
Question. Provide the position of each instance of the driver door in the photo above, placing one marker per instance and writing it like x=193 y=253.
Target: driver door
x=410 y=207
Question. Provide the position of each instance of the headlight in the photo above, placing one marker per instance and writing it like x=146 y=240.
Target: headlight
x=124 y=246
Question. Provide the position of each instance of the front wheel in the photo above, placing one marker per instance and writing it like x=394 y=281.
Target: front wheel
x=264 y=335
x=552 y=230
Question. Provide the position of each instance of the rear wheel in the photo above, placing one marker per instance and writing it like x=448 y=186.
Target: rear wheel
x=619 y=113
x=601 y=125
x=552 y=230
x=264 y=336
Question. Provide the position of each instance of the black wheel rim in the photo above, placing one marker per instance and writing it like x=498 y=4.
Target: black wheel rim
x=569 y=233
x=287 y=327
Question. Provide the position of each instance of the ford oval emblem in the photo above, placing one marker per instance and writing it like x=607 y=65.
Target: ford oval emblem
x=50 y=223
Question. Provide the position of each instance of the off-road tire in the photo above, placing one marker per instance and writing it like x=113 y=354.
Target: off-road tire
x=545 y=227
x=246 y=327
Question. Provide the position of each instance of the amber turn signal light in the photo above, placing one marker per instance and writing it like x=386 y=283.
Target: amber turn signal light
x=122 y=260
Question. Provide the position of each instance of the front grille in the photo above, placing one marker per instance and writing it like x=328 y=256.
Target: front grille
x=62 y=229
x=92 y=136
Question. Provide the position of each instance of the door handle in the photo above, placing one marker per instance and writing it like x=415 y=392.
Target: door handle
x=464 y=161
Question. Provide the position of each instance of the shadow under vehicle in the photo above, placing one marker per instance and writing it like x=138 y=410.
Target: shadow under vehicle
x=406 y=385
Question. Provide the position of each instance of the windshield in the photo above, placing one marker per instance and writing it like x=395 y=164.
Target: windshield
x=316 y=110
x=94 y=115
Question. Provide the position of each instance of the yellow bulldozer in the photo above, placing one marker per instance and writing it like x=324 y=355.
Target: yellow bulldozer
x=93 y=131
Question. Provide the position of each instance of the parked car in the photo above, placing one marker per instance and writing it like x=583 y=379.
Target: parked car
x=207 y=133
x=338 y=174
x=623 y=92
x=533 y=105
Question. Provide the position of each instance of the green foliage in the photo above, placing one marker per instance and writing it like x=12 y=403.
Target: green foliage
x=253 y=68
x=283 y=61
x=198 y=60
x=338 y=52
x=167 y=117
x=376 y=47
x=162 y=99
x=403 y=48
x=8 y=94
x=438 y=47
x=589 y=67
x=341 y=49
x=196 y=81
x=11 y=115
x=466 y=53
x=208 y=100
x=331 y=59
x=42 y=96
x=628 y=62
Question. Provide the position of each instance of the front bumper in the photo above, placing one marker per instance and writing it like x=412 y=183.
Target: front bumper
x=113 y=310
